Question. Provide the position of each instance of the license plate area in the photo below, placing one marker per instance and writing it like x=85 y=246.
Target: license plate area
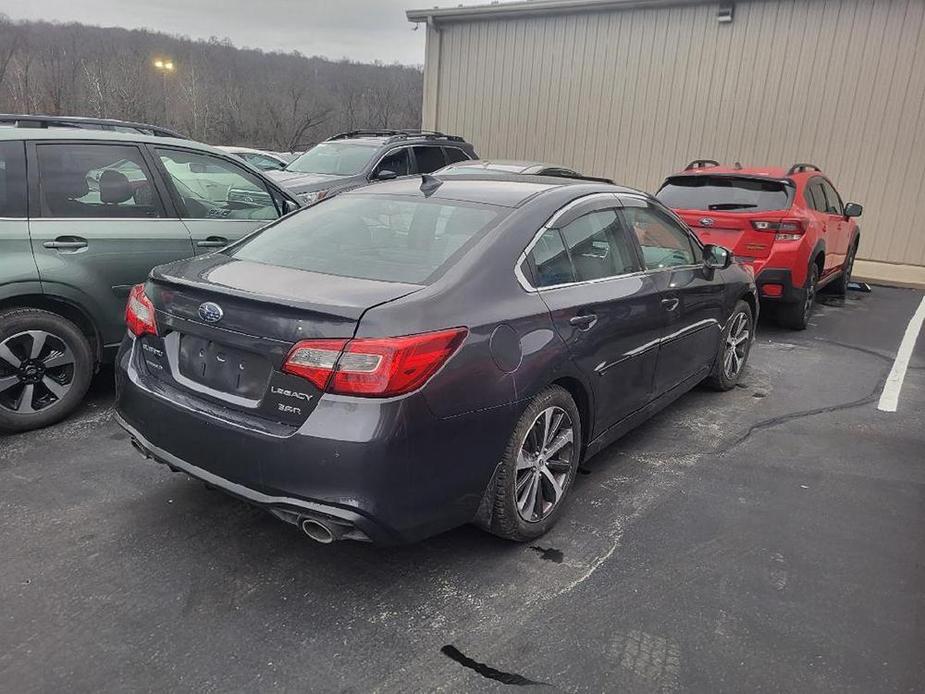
x=223 y=368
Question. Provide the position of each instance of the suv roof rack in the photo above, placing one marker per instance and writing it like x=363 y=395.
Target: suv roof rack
x=801 y=167
x=701 y=164
x=395 y=135
x=112 y=124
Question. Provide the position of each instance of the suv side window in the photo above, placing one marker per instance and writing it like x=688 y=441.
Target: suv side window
x=79 y=180
x=833 y=204
x=12 y=179
x=429 y=159
x=663 y=243
x=814 y=197
x=454 y=154
x=397 y=161
x=597 y=246
x=212 y=188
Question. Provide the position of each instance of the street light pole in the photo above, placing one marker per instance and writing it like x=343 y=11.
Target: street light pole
x=165 y=66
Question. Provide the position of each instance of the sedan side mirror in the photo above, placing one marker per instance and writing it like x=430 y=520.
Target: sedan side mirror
x=852 y=209
x=289 y=206
x=385 y=175
x=716 y=257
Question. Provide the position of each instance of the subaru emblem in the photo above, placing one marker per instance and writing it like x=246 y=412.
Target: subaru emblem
x=210 y=312
x=706 y=221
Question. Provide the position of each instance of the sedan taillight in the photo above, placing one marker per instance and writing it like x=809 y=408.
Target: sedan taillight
x=139 y=313
x=373 y=367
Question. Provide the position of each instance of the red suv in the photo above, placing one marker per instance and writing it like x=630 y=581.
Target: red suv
x=790 y=226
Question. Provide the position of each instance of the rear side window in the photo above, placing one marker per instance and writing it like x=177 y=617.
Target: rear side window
x=548 y=261
x=90 y=180
x=454 y=154
x=716 y=193
x=429 y=159
x=597 y=246
x=12 y=179
x=591 y=247
x=372 y=237
x=814 y=197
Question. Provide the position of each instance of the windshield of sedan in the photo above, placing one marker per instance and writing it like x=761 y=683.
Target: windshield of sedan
x=380 y=237
x=730 y=193
x=334 y=159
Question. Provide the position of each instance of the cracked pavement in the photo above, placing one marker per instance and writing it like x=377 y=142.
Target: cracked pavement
x=766 y=538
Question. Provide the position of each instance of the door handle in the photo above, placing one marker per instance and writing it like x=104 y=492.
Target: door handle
x=213 y=242
x=66 y=243
x=671 y=304
x=585 y=321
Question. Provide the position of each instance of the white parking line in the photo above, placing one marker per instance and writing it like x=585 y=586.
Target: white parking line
x=889 y=398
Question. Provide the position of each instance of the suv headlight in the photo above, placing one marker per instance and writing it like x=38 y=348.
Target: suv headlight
x=311 y=197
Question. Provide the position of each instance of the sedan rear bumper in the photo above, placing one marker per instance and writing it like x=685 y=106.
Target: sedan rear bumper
x=286 y=508
x=385 y=470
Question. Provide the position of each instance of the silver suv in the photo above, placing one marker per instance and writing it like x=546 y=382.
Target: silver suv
x=84 y=215
x=359 y=157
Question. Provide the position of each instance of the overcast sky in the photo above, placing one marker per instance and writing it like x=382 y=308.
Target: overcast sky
x=363 y=30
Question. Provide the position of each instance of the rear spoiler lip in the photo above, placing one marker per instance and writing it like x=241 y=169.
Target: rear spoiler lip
x=751 y=177
x=350 y=312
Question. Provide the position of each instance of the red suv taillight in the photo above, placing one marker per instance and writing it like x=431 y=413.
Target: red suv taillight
x=784 y=229
x=373 y=367
x=139 y=313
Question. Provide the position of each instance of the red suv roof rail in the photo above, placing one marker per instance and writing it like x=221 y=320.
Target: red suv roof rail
x=701 y=164
x=801 y=167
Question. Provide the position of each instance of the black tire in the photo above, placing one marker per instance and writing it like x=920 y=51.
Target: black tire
x=840 y=286
x=722 y=377
x=796 y=316
x=506 y=519
x=64 y=359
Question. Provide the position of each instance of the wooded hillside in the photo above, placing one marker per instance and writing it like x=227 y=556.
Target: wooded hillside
x=216 y=92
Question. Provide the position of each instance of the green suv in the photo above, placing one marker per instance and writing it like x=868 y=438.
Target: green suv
x=84 y=215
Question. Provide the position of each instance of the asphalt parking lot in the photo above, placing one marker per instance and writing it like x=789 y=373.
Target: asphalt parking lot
x=770 y=538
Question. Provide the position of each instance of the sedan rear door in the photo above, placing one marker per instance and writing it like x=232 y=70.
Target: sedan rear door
x=586 y=270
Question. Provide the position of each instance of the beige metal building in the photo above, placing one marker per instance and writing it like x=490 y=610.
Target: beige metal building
x=634 y=89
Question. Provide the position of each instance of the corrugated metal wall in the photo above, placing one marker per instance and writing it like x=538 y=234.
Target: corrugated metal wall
x=635 y=94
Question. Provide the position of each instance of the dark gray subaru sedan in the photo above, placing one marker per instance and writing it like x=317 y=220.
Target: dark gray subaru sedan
x=409 y=357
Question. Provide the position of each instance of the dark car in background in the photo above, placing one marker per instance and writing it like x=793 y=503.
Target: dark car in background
x=86 y=210
x=419 y=354
x=359 y=157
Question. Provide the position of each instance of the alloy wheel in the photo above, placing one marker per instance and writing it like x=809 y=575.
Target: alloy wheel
x=850 y=265
x=543 y=464
x=810 y=294
x=36 y=371
x=736 y=346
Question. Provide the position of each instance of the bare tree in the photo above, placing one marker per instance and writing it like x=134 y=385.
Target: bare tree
x=217 y=92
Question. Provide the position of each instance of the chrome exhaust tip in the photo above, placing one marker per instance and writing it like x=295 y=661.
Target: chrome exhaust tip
x=317 y=531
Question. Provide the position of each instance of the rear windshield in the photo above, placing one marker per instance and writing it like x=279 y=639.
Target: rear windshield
x=715 y=193
x=378 y=237
x=334 y=159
